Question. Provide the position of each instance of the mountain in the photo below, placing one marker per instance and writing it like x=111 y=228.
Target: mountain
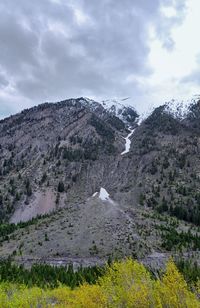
x=52 y=143
x=126 y=113
x=67 y=161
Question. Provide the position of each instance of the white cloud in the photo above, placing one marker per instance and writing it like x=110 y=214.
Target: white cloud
x=169 y=11
x=55 y=49
x=171 y=67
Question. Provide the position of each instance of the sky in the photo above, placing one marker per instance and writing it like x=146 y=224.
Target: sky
x=52 y=50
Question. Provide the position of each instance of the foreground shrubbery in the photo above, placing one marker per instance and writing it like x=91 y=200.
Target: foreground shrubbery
x=125 y=284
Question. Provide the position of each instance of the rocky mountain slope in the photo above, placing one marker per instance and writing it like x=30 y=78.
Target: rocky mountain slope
x=56 y=144
x=110 y=187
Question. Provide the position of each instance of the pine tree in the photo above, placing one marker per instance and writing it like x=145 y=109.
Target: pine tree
x=61 y=187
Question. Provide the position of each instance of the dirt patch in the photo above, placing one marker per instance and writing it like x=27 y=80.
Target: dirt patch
x=43 y=203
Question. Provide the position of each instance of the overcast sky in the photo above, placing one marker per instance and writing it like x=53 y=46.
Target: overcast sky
x=56 y=49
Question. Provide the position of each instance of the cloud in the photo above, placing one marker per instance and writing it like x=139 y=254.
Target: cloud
x=54 y=49
x=193 y=78
x=3 y=81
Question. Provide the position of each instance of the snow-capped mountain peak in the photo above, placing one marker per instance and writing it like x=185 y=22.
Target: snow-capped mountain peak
x=123 y=111
x=180 y=108
x=114 y=107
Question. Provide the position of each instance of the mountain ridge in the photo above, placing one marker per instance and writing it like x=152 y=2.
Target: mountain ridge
x=55 y=157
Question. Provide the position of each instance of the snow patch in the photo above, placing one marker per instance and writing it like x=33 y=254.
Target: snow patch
x=95 y=194
x=128 y=142
x=104 y=195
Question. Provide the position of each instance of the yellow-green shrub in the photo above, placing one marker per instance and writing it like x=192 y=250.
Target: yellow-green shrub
x=125 y=284
x=173 y=290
